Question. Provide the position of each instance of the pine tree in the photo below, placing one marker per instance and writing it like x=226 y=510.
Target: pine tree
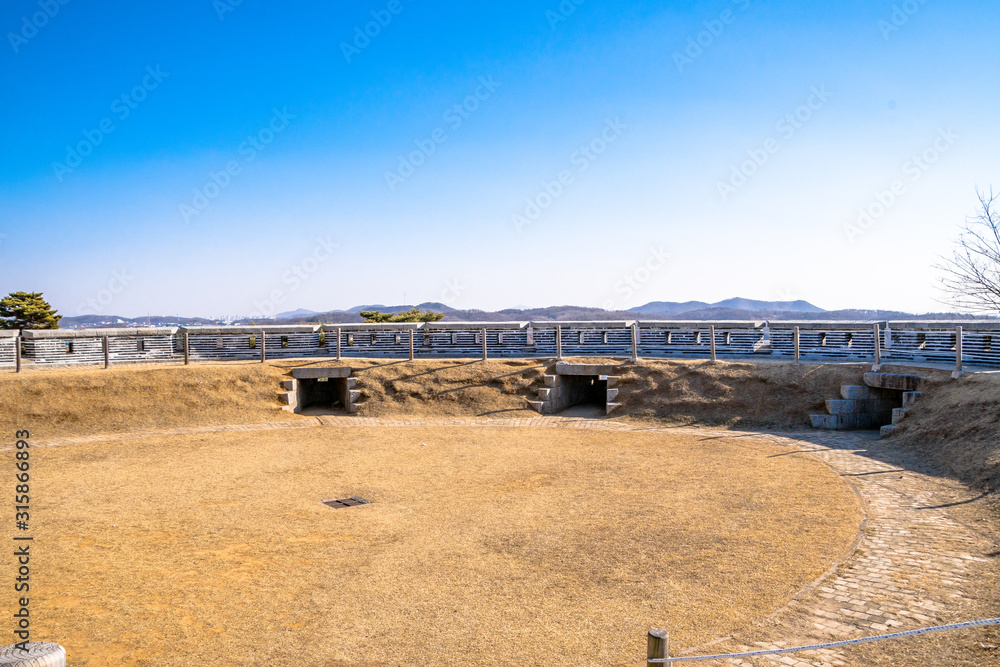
x=414 y=315
x=27 y=310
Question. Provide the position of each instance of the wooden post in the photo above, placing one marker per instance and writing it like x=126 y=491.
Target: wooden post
x=411 y=344
x=711 y=340
x=558 y=342
x=635 y=342
x=878 y=347
x=795 y=338
x=657 y=646
x=263 y=347
x=338 y=343
x=483 y=333
x=958 y=352
x=107 y=352
x=187 y=348
x=17 y=354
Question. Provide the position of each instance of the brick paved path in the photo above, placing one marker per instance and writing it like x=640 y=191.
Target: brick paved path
x=913 y=565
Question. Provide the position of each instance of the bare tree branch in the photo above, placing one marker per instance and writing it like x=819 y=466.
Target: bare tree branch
x=971 y=278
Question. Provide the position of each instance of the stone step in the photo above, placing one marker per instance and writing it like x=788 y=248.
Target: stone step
x=288 y=384
x=353 y=395
x=898 y=415
x=288 y=397
x=853 y=392
x=893 y=381
x=844 y=406
x=550 y=380
x=872 y=406
x=910 y=398
x=613 y=380
x=538 y=406
x=825 y=422
x=545 y=394
x=886 y=431
x=611 y=407
x=844 y=422
x=612 y=394
x=351 y=382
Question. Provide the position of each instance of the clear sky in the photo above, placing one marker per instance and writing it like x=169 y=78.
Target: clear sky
x=200 y=158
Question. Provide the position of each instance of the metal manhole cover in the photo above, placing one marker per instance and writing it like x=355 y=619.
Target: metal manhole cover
x=340 y=503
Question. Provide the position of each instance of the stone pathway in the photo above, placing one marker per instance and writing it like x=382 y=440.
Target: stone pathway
x=913 y=565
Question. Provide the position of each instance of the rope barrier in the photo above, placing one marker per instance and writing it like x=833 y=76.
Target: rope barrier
x=846 y=642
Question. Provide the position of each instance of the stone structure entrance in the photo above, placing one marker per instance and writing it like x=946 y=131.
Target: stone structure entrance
x=325 y=388
x=578 y=384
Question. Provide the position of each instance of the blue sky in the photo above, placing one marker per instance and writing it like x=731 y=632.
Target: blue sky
x=202 y=158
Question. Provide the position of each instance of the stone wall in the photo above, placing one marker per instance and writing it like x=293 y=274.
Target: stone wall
x=898 y=342
x=7 y=351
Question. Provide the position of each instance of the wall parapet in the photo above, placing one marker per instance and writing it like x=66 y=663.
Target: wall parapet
x=890 y=341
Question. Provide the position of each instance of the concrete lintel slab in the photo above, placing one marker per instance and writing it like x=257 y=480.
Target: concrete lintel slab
x=565 y=368
x=312 y=372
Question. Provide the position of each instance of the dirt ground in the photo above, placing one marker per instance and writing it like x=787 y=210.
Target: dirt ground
x=208 y=539
x=481 y=546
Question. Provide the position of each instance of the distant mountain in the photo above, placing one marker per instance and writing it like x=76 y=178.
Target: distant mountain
x=788 y=310
x=750 y=305
x=730 y=309
x=784 y=306
x=668 y=307
x=298 y=312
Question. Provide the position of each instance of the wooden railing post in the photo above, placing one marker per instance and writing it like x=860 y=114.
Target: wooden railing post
x=635 y=342
x=558 y=342
x=17 y=354
x=657 y=647
x=411 y=344
x=263 y=347
x=958 y=352
x=187 y=348
x=711 y=340
x=338 y=343
x=107 y=352
x=795 y=339
x=483 y=333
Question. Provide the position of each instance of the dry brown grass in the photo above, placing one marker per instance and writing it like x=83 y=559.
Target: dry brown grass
x=66 y=402
x=80 y=401
x=772 y=395
x=486 y=546
x=956 y=425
